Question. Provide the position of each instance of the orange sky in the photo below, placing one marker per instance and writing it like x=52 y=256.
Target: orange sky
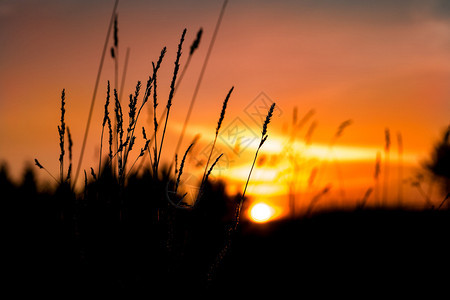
x=383 y=64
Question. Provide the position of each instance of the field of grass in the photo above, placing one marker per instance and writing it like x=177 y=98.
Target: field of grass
x=129 y=231
x=59 y=245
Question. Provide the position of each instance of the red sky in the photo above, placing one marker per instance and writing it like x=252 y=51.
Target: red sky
x=382 y=65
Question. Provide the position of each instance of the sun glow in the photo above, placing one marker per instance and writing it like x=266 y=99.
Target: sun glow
x=321 y=151
x=261 y=212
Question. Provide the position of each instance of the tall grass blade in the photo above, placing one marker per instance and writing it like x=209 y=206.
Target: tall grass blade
x=263 y=139
x=171 y=94
x=202 y=73
x=91 y=109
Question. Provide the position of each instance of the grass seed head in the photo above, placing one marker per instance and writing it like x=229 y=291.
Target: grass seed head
x=196 y=42
x=182 y=166
x=377 y=166
x=116 y=31
x=108 y=96
x=212 y=167
x=176 y=69
x=62 y=126
x=224 y=108
x=36 y=162
x=119 y=116
x=110 y=140
x=266 y=122
x=387 y=139
x=69 y=136
x=132 y=106
x=400 y=142
x=144 y=135
x=342 y=126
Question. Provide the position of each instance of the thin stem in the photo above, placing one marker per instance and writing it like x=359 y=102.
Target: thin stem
x=241 y=201
x=38 y=164
x=91 y=109
x=202 y=72
x=209 y=158
x=171 y=94
x=129 y=171
x=124 y=74
x=443 y=201
x=101 y=146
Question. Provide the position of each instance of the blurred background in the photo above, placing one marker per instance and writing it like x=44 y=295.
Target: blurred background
x=362 y=90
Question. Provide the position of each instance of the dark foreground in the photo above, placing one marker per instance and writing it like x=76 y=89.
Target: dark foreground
x=358 y=253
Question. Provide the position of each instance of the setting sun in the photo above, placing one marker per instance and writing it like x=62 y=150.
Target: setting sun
x=261 y=212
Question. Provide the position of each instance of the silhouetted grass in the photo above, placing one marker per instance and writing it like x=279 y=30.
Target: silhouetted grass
x=122 y=231
x=97 y=82
x=219 y=124
x=129 y=232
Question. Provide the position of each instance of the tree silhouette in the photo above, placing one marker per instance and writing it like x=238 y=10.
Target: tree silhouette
x=439 y=164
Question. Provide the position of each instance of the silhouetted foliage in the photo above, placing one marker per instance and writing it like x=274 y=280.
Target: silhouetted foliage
x=115 y=238
x=7 y=187
x=122 y=234
x=439 y=165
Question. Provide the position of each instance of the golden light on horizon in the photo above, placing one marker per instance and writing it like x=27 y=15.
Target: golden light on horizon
x=277 y=167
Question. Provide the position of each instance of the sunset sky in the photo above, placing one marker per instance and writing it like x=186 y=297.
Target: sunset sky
x=382 y=64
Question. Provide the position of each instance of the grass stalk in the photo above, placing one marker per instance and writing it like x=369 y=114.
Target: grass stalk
x=387 y=147
x=193 y=49
x=97 y=81
x=443 y=201
x=364 y=200
x=137 y=158
x=177 y=183
x=376 y=177
x=212 y=167
x=219 y=124
x=417 y=183
x=171 y=94
x=62 y=132
x=316 y=199
x=70 y=146
x=124 y=73
x=202 y=73
x=155 y=122
x=119 y=132
x=105 y=121
x=263 y=139
x=180 y=171
x=329 y=157
x=132 y=121
x=38 y=164
x=400 y=168
x=115 y=54
x=150 y=83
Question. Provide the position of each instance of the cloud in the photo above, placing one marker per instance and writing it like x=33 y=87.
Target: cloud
x=442 y=9
x=380 y=11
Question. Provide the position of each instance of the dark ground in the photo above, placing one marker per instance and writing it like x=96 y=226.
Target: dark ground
x=58 y=245
x=345 y=253
x=339 y=253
